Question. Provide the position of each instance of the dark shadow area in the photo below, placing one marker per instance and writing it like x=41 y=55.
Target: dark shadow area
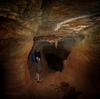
x=54 y=61
x=69 y=92
x=2 y=81
x=55 y=57
x=45 y=3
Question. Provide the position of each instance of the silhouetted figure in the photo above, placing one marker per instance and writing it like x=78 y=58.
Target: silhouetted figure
x=36 y=57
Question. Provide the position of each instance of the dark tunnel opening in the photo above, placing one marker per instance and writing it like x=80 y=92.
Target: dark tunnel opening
x=54 y=62
x=55 y=57
x=51 y=56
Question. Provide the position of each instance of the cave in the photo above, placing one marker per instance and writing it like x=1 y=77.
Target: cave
x=77 y=57
x=54 y=62
x=55 y=57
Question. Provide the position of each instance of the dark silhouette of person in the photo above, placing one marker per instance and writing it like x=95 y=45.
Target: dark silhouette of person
x=36 y=58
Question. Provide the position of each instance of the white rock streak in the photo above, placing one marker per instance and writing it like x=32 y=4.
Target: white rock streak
x=78 y=28
x=59 y=25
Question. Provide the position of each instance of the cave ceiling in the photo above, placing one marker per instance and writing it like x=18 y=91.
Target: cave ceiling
x=58 y=17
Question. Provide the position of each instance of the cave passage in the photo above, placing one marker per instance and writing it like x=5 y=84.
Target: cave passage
x=51 y=56
x=54 y=62
x=55 y=57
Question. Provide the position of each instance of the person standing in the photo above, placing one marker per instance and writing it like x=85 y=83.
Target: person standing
x=36 y=57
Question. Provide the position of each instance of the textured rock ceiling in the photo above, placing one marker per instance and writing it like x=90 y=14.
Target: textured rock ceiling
x=45 y=14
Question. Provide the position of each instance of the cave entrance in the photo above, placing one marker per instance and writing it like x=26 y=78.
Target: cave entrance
x=55 y=57
x=51 y=57
x=54 y=62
